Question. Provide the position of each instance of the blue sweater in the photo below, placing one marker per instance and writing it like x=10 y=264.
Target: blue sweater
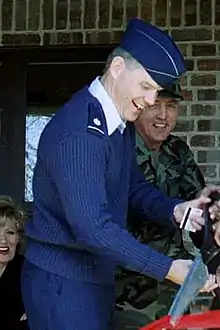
x=84 y=181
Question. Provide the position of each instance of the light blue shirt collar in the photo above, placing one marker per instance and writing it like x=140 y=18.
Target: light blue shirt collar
x=113 y=119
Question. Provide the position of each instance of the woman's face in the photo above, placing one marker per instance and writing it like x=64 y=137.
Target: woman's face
x=9 y=238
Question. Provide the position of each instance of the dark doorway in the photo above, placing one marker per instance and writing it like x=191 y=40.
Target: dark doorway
x=34 y=84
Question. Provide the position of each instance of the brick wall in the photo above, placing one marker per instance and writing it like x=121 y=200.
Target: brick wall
x=194 y=24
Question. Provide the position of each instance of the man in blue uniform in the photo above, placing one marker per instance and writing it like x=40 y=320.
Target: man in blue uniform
x=85 y=178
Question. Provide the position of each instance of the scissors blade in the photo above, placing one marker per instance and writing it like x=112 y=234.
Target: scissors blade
x=193 y=283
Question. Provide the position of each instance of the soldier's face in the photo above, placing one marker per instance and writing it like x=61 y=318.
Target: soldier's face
x=157 y=121
x=133 y=89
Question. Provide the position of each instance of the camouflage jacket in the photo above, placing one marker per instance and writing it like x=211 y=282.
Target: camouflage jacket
x=174 y=171
x=172 y=168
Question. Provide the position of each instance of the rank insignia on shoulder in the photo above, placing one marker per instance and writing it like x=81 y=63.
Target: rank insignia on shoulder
x=96 y=126
x=96 y=122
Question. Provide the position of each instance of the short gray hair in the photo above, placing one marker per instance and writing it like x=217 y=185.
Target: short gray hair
x=130 y=61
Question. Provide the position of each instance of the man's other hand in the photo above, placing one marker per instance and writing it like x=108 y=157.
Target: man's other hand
x=198 y=221
x=215 y=208
x=179 y=270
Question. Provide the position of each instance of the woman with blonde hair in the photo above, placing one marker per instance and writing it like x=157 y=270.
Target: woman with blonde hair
x=12 y=314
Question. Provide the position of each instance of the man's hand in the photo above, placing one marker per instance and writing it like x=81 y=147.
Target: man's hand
x=199 y=203
x=215 y=208
x=179 y=270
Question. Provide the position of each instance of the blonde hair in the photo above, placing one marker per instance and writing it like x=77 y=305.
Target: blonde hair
x=9 y=210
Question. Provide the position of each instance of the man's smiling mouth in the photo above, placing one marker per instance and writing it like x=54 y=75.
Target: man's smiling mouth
x=160 y=125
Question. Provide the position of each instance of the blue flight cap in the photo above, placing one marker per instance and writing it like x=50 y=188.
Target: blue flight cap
x=154 y=50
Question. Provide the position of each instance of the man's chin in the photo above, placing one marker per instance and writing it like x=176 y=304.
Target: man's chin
x=160 y=139
x=133 y=117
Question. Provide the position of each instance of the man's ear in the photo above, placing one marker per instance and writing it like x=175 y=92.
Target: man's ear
x=117 y=66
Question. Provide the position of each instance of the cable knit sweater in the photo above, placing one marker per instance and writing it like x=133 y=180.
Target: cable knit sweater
x=84 y=181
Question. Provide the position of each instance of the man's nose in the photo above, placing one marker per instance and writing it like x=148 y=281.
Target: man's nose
x=162 y=114
x=2 y=238
x=150 y=97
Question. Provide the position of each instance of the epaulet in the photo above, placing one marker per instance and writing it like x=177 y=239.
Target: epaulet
x=96 y=121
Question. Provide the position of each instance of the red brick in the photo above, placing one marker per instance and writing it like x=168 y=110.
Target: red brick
x=208 y=65
x=69 y=38
x=183 y=48
x=117 y=13
x=99 y=37
x=89 y=16
x=131 y=9
x=75 y=14
x=187 y=95
x=189 y=65
x=46 y=39
x=103 y=37
x=208 y=95
x=116 y=37
x=21 y=39
x=103 y=14
x=204 y=50
x=20 y=15
x=209 y=125
x=217 y=12
x=61 y=14
x=202 y=141
x=183 y=80
x=184 y=126
x=203 y=110
x=192 y=34
x=76 y=38
x=63 y=38
x=146 y=10
x=34 y=15
x=210 y=156
x=161 y=12
x=175 y=13
x=217 y=34
x=203 y=80
x=190 y=12
x=205 y=12
x=6 y=15
x=183 y=110
x=209 y=171
x=48 y=17
x=213 y=182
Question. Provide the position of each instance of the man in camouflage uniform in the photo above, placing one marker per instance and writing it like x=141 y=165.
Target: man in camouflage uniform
x=169 y=164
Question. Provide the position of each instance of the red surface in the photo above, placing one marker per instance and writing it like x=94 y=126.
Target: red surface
x=209 y=319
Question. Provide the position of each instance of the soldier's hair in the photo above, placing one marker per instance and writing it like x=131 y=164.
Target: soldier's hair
x=130 y=62
x=9 y=210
